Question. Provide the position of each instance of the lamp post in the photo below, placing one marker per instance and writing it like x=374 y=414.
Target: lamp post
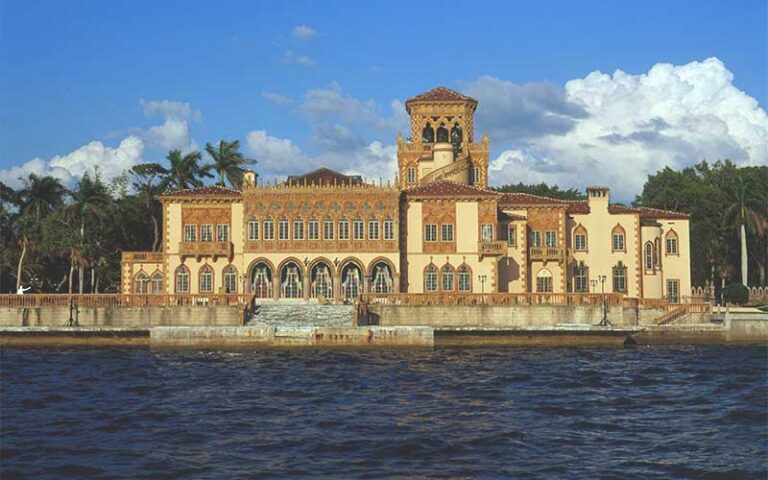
x=594 y=285
x=604 y=322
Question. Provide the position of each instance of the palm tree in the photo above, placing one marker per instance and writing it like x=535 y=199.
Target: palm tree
x=743 y=215
x=148 y=182
x=185 y=171
x=40 y=196
x=228 y=162
x=90 y=199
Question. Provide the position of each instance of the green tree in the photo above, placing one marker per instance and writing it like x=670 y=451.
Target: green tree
x=543 y=190
x=147 y=180
x=89 y=203
x=185 y=171
x=228 y=162
x=743 y=215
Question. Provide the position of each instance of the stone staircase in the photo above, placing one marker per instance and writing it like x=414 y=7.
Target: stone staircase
x=301 y=315
x=447 y=172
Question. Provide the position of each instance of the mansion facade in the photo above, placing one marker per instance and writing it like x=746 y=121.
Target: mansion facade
x=437 y=229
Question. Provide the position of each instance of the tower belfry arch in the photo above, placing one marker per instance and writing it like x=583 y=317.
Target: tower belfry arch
x=442 y=144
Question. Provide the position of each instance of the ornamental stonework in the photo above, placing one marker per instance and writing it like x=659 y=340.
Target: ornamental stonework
x=205 y=215
x=439 y=212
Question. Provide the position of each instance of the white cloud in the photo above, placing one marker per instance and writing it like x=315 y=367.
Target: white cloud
x=277 y=98
x=292 y=58
x=174 y=131
x=333 y=105
x=275 y=156
x=111 y=162
x=634 y=125
x=304 y=32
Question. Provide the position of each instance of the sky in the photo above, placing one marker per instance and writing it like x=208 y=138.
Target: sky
x=571 y=93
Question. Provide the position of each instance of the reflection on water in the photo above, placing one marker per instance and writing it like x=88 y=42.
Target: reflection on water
x=672 y=412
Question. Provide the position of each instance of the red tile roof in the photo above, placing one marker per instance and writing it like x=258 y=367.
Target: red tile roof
x=324 y=176
x=582 y=207
x=441 y=94
x=445 y=188
x=525 y=199
x=205 y=191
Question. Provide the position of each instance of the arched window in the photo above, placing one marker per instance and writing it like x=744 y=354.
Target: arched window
x=314 y=228
x=206 y=279
x=456 y=133
x=618 y=239
x=282 y=228
x=373 y=229
x=580 y=238
x=382 y=278
x=322 y=281
x=428 y=134
x=182 y=279
x=544 y=281
x=298 y=229
x=447 y=278
x=290 y=281
x=657 y=253
x=620 y=278
x=357 y=228
x=157 y=282
x=261 y=280
x=328 y=228
x=648 y=256
x=430 y=278
x=230 y=279
x=442 y=134
x=465 y=278
x=671 y=243
x=351 y=280
x=580 y=278
x=269 y=229
x=141 y=283
x=389 y=229
x=343 y=228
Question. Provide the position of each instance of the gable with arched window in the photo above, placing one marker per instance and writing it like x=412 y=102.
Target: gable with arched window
x=648 y=257
x=182 y=279
x=206 y=279
x=430 y=278
x=671 y=243
x=447 y=278
x=618 y=239
x=141 y=283
x=580 y=238
x=544 y=282
x=157 y=282
x=464 y=274
x=230 y=279
x=620 y=278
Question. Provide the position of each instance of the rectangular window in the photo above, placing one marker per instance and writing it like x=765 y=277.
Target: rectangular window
x=206 y=233
x=446 y=232
x=619 y=279
x=535 y=239
x=430 y=233
x=543 y=284
x=182 y=282
x=298 y=229
x=344 y=229
x=253 y=230
x=389 y=229
x=476 y=176
x=411 y=175
x=206 y=282
x=430 y=281
x=671 y=246
x=190 y=233
x=447 y=280
x=580 y=242
x=282 y=229
x=618 y=242
x=486 y=232
x=580 y=282
x=673 y=291
x=222 y=233
x=314 y=228
x=511 y=236
x=373 y=229
x=357 y=228
x=550 y=237
x=464 y=281
x=269 y=230
x=328 y=229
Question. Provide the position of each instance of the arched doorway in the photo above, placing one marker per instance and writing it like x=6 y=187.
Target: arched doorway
x=260 y=280
x=382 y=278
x=321 y=278
x=291 y=280
x=351 y=280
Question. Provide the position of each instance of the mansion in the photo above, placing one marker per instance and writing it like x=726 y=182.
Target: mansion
x=437 y=229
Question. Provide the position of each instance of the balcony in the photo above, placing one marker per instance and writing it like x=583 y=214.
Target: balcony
x=205 y=249
x=491 y=248
x=142 y=257
x=546 y=254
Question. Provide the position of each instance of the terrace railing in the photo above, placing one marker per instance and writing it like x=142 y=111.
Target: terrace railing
x=121 y=300
x=492 y=299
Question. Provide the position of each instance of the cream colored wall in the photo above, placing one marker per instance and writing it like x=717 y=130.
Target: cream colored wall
x=599 y=257
x=652 y=281
x=512 y=269
x=557 y=276
x=238 y=231
x=130 y=270
x=467 y=227
x=174 y=230
x=487 y=267
x=677 y=267
x=415 y=237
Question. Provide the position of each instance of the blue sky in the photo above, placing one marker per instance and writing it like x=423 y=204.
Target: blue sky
x=318 y=80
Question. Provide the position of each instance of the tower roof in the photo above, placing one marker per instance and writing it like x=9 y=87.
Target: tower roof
x=441 y=94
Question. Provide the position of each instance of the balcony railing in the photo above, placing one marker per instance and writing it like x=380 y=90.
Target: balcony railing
x=589 y=299
x=142 y=257
x=493 y=248
x=547 y=254
x=200 y=249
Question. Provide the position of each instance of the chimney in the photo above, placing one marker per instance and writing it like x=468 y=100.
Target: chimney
x=249 y=178
x=598 y=198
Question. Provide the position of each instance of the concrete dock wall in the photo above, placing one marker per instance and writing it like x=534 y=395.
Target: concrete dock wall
x=123 y=317
x=746 y=327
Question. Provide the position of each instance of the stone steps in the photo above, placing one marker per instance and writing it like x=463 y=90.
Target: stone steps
x=305 y=314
